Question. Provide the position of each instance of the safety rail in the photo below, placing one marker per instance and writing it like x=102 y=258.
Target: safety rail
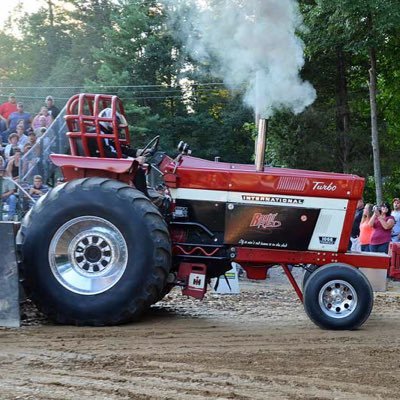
x=36 y=160
x=87 y=126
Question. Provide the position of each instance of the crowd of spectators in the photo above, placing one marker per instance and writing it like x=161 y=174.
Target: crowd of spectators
x=375 y=227
x=19 y=131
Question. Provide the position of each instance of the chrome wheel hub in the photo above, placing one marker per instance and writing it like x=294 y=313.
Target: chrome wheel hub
x=93 y=252
x=88 y=255
x=338 y=299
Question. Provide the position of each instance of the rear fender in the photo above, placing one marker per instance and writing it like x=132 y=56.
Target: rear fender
x=75 y=167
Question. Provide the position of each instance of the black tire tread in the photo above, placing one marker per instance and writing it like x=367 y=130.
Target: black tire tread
x=155 y=224
x=366 y=306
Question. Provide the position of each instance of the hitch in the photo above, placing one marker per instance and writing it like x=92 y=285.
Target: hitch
x=192 y=278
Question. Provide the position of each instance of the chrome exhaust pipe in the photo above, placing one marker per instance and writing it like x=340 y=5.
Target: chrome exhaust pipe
x=261 y=143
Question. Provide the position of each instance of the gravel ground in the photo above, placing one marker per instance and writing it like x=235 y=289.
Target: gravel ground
x=256 y=345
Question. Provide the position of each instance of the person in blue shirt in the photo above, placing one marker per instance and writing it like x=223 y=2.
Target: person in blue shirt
x=14 y=118
x=38 y=189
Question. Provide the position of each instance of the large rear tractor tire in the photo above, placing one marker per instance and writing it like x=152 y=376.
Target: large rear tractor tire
x=94 y=252
x=338 y=297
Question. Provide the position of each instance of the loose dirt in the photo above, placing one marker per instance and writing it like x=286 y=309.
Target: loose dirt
x=257 y=345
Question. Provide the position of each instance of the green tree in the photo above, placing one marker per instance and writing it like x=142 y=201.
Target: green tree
x=360 y=31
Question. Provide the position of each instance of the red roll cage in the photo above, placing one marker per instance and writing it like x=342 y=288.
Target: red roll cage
x=84 y=123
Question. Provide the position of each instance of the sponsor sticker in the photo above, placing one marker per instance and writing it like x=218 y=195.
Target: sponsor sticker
x=244 y=242
x=327 y=240
x=270 y=226
x=272 y=199
x=180 y=212
x=265 y=221
x=196 y=281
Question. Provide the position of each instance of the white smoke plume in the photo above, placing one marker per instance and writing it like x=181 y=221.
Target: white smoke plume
x=250 y=44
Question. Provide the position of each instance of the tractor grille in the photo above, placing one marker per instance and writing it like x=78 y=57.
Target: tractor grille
x=288 y=183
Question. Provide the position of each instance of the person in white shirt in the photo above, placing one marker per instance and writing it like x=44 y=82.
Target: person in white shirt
x=12 y=143
x=396 y=215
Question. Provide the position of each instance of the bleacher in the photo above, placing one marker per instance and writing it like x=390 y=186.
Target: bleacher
x=36 y=162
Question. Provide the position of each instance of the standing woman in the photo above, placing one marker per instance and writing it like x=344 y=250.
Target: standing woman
x=382 y=222
x=365 y=229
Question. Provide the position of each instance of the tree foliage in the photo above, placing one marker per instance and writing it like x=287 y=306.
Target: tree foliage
x=127 y=47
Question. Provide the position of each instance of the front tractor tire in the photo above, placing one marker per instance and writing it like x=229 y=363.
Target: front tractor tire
x=94 y=252
x=338 y=297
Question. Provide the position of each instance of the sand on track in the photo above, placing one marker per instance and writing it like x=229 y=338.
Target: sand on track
x=257 y=345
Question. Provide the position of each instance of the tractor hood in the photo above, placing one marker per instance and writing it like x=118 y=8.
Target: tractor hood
x=197 y=173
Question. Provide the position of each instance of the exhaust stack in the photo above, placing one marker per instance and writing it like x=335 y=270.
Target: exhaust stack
x=261 y=142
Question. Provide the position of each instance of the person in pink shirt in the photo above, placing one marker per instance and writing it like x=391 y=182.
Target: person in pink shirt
x=365 y=229
x=382 y=222
x=38 y=120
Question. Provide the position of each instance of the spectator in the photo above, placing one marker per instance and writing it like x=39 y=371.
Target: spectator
x=22 y=138
x=53 y=110
x=8 y=194
x=365 y=229
x=382 y=222
x=21 y=124
x=31 y=138
x=15 y=117
x=38 y=189
x=6 y=109
x=26 y=148
x=43 y=119
x=42 y=128
x=354 y=244
x=396 y=216
x=12 y=143
x=13 y=164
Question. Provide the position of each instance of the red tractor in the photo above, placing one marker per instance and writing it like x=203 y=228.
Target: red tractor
x=108 y=243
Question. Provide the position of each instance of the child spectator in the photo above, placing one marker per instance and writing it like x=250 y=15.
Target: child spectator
x=31 y=138
x=13 y=164
x=38 y=189
x=12 y=143
x=22 y=138
x=8 y=195
x=43 y=119
x=53 y=110
x=365 y=229
x=354 y=244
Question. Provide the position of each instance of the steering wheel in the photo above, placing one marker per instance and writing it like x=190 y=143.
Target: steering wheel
x=151 y=147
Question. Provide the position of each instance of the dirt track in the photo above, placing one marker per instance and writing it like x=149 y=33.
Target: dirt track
x=259 y=345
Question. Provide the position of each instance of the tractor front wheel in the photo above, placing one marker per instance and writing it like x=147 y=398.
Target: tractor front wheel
x=338 y=296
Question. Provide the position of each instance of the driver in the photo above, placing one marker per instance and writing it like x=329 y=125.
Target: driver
x=109 y=145
x=127 y=151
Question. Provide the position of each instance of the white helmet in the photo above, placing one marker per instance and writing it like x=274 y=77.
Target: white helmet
x=106 y=127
